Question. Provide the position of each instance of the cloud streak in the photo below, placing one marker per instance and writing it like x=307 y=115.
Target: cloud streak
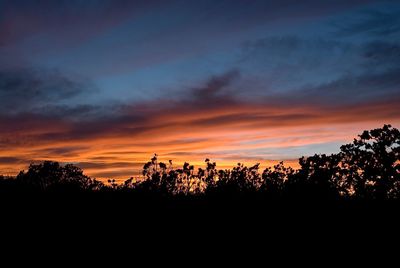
x=24 y=89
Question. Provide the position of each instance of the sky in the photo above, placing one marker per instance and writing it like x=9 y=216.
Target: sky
x=106 y=84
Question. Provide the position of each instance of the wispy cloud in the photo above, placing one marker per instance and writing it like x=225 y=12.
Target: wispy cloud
x=379 y=23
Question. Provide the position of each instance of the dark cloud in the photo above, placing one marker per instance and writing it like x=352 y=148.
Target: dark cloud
x=80 y=112
x=322 y=69
x=215 y=86
x=382 y=53
x=65 y=151
x=283 y=47
x=10 y=160
x=378 y=23
x=26 y=89
x=216 y=92
x=315 y=55
x=284 y=63
x=23 y=122
x=353 y=89
x=66 y=20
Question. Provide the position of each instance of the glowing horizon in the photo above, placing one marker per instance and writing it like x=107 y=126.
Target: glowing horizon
x=122 y=162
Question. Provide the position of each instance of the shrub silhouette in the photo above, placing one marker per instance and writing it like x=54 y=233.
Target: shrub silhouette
x=368 y=168
x=55 y=177
x=370 y=165
x=314 y=179
x=275 y=180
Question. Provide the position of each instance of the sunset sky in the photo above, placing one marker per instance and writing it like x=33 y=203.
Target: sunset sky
x=106 y=84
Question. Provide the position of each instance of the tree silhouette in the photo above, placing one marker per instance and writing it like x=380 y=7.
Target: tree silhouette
x=368 y=168
x=370 y=165
x=315 y=178
x=53 y=176
x=274 y=179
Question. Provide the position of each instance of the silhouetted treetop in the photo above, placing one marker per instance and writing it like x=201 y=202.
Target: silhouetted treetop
x=367 y=168
x=53 y=176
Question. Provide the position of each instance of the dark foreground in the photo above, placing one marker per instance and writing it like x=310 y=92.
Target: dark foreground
x=124 y=227
x=119 y=210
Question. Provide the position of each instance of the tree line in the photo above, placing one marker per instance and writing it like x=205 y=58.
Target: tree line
x=367 y=168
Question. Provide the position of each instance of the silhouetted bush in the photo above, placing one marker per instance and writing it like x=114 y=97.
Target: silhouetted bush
x=367 y=168
x=51 y=176
x=370 y=166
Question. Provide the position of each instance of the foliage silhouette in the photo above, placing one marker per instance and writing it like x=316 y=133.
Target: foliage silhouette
x=51 y=176
x=366 y=169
